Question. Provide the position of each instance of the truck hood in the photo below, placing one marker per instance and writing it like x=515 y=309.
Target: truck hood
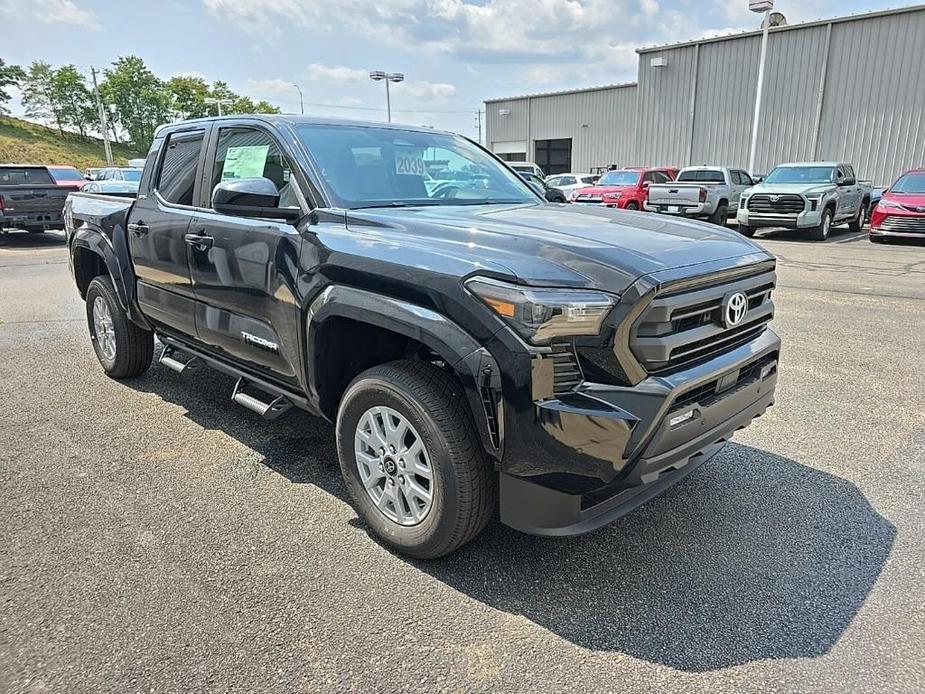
x=558 y=245
x=798 y=188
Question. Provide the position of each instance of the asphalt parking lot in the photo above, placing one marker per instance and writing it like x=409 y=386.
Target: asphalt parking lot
x=155 y=537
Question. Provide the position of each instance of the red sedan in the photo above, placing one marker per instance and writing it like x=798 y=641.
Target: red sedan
x=901 y=210
x=67 y=177
x=623 y=188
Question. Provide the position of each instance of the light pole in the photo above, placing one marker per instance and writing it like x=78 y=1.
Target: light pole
x=379 y=76
x=218 y=102
x=759 y=6
x=301 y=102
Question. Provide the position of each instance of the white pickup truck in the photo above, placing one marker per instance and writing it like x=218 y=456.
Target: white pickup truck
x=704 y=192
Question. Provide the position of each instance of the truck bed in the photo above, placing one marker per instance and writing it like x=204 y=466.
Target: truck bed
x=105 y=212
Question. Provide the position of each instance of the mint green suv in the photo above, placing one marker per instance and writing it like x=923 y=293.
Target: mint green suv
x=812 y=195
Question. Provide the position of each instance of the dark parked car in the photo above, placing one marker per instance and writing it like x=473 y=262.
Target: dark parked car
x=474 y=347
x=30 y=199
x=538 y=184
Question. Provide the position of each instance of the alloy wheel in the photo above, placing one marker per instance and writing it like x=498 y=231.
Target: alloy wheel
x=394 y=465
x=104 y=329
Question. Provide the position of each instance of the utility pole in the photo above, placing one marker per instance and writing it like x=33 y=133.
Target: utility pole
x=759 y=6
x=478 y=120
x=104 y=123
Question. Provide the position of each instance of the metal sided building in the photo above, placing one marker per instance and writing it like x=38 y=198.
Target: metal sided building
x=851 y=89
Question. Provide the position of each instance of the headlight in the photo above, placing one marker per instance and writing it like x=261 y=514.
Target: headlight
x=815 y=196
x=541 y=315
x=887 y=205
x=612 y=196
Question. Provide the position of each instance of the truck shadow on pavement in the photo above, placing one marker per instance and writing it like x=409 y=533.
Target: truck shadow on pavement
x=755 y=556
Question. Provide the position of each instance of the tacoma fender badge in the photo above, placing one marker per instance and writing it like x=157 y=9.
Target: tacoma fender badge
x=260 y=342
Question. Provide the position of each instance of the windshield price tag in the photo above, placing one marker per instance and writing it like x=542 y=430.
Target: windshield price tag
x=410 y=163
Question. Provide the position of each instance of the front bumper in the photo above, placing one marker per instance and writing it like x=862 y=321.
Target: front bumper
x=804 y=220
x=609 y=449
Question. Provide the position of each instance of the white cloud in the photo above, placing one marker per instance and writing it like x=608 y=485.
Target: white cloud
x=335 y=73
x=431 y=91
x=270 y=87
x=50 y=12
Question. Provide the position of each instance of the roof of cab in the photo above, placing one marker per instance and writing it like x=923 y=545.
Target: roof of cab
x=296 y=120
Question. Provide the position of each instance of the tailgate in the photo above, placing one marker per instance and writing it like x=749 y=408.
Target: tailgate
x=674 y=194
x=32 y=199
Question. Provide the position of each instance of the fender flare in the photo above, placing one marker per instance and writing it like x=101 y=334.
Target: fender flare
x=112 y=251
x=473 y=364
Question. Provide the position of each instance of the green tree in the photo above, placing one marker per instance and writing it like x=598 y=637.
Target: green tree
x=265 y=107
x=139 y=99
x=36 y=94
x=73 y=101
x=188 y=96
x=10 y=76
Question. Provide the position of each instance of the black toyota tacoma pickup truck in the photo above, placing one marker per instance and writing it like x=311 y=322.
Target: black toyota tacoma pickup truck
x=476 y=346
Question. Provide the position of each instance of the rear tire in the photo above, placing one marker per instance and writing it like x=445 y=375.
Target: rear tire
x=747 y=230
x=123 y=348
x=856 y=225
x=432 y=409
x=720 y=216
x=821 y=232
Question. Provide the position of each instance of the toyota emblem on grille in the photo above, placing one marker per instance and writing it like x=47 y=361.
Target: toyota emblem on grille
x=734 y=309
x=775 y=198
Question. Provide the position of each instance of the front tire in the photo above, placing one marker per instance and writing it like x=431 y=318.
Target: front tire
x=632 y=206
x=746 y=230
x=123 y=348
x=821 y=232
x=411 y=459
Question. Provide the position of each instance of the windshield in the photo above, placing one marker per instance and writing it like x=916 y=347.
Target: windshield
x=801 y=174
x=910 y=184
x=66 y=174
x=382 y=167
x=131 y=174
x=619 y=178
x=702 y=176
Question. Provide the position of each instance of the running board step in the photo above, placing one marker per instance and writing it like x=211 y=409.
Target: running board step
x=168 y=359
x=267 y=410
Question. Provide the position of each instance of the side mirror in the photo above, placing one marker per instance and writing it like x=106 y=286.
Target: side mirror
x=551 y=195
x=646 y=184
x=251 y=197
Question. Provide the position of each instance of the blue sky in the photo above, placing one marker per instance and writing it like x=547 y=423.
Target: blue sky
x=455 y=53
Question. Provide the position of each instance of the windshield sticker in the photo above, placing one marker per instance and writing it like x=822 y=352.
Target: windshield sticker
x=245 y=162
x=410 y=162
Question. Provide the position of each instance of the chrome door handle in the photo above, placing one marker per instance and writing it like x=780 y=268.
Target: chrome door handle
x=138 y=228
x=200 y=242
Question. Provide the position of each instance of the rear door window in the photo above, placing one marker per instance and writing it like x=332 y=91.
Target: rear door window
x=176 y=179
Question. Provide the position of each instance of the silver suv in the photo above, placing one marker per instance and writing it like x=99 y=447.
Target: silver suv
x=812 y=195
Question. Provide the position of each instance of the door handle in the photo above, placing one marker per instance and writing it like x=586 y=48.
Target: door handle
x=199 y=241
x=138 y=228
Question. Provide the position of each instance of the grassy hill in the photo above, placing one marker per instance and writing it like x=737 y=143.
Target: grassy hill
x=22 y=142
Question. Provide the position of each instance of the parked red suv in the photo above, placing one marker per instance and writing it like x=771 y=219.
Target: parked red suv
x=623 y=188
x=901 y=210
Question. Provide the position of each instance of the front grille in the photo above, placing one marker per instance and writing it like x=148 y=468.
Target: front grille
x=566 y=371
x=776 y=204
x=681 y=327
x=589 y=198
x=908 y=225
